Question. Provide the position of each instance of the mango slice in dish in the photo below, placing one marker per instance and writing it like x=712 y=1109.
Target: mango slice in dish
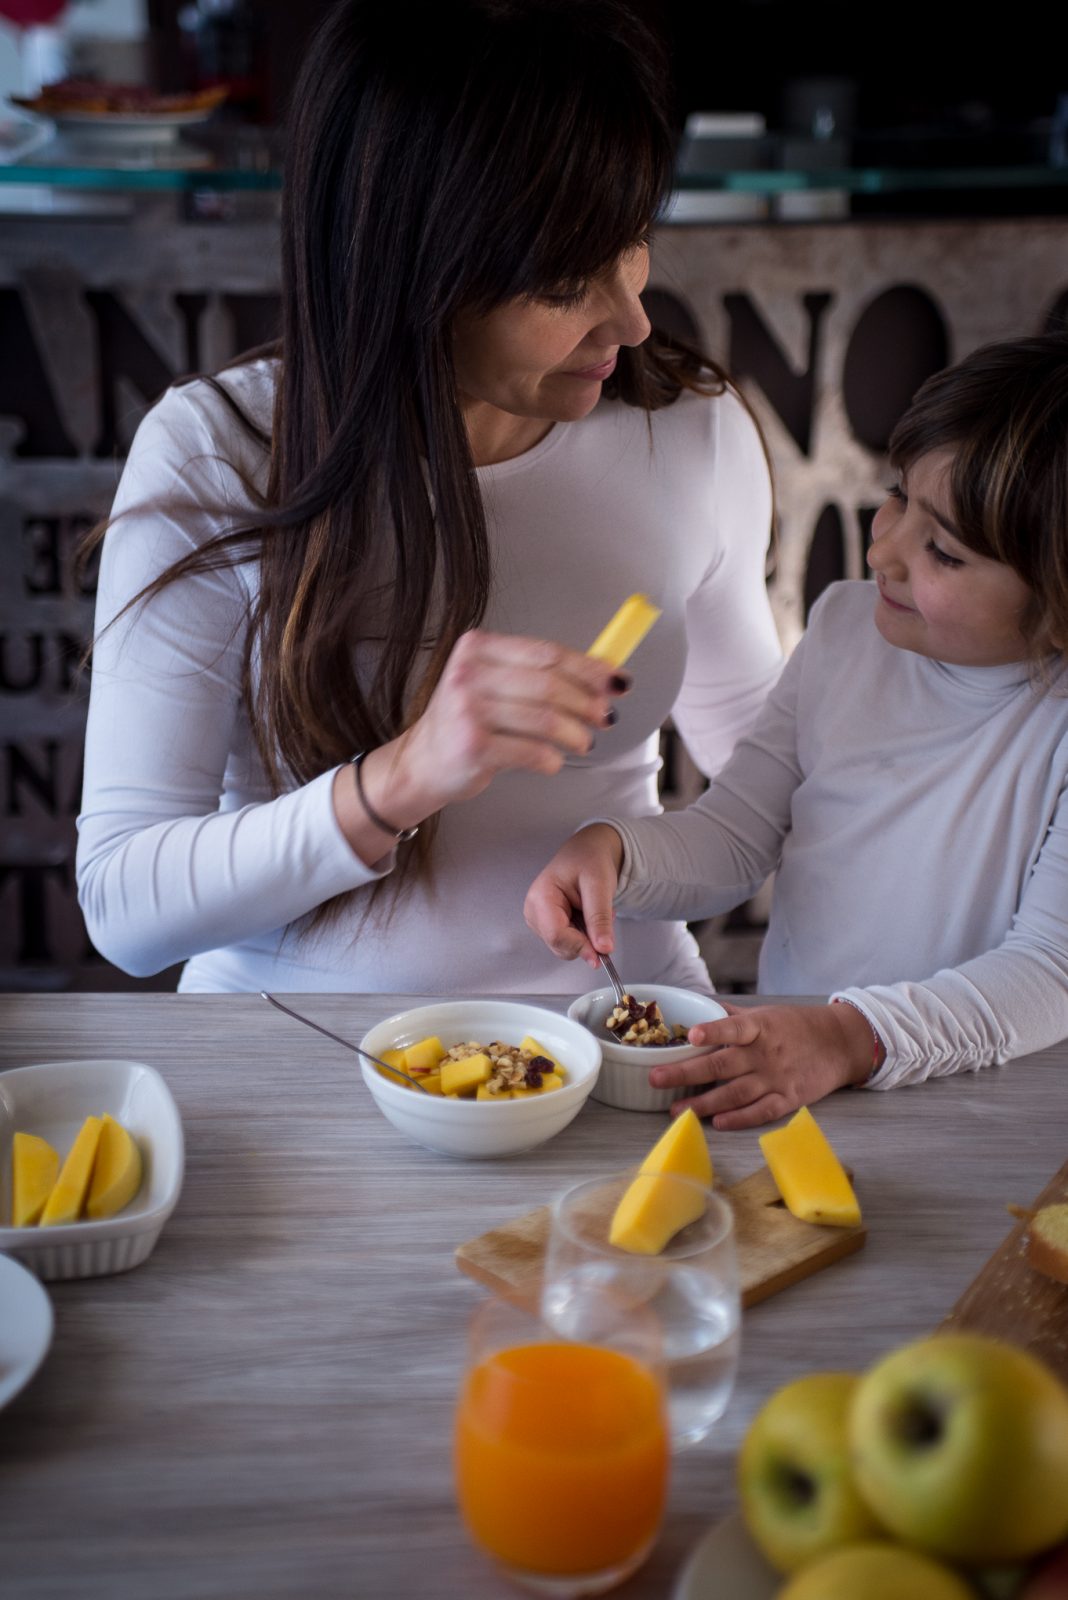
x=625 y=632
x=394 y=1058
x=551 y=1080
x=460 y=1077
x=811 y=1179
x=536 y=1049
x=424 y=1056
x=653 y=1209
x=116 y=1171
x=34 y=1169
x=65 y=1202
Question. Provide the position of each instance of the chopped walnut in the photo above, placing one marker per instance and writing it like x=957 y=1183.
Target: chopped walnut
x=642 y=1023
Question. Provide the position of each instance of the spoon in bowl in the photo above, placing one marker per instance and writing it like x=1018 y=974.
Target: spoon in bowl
x=308 y=1023
x=579 y=922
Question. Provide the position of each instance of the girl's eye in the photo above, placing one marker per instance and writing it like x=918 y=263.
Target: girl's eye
x=896 y=492
x=943 y=557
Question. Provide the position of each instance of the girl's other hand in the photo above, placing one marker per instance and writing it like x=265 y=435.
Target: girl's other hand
x=769 y=1061
x=582 y=876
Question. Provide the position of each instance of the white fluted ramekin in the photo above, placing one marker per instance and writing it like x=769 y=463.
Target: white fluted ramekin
x=623 y=1080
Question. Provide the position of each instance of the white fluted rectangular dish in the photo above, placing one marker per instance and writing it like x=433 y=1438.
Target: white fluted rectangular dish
x=52 y=1099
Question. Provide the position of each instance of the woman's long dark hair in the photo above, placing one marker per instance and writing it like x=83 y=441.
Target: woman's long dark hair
x=443 y=156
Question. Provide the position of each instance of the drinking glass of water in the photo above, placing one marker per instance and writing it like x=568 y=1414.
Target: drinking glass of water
x=691 y=1286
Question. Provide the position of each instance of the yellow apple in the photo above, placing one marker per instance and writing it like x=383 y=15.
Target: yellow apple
x=795 y=1480
x=876 y=1571
x=960 y=1447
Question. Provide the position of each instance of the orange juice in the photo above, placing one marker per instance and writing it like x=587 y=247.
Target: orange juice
x=561 y=1457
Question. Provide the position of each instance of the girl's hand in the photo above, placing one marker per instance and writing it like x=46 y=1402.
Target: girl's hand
x=582 y=876
x=771 y=1060
x=503 y=703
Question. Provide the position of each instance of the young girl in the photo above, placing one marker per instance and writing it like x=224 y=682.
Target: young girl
x=906 y=781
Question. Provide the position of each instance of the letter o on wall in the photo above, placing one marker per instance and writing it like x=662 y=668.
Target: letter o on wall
x=899 y=340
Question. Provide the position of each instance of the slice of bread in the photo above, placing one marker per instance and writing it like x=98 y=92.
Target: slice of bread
x=1047 y=1242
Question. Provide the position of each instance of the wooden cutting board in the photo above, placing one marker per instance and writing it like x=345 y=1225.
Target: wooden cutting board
x=774 y=1248
x=1012 y=1301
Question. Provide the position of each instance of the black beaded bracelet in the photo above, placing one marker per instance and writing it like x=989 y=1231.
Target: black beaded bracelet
x=399 y=834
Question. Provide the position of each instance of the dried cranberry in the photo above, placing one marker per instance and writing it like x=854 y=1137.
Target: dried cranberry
x=532 y=1078
x=540 y=1064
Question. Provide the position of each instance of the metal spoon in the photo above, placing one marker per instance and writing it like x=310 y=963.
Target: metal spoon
x=396 y=1071
x=578 y=921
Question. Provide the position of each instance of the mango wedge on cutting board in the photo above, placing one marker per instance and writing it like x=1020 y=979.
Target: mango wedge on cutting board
x=653 y=1210
x=625 y=632
x=34 y=1170
x=811 y=1179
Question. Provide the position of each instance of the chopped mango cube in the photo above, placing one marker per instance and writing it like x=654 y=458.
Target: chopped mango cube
x=551 y=1080
x=537 y=1049
x=424 y=1056
x=811 y=1179
x=460 y=1077
x=68 y=1195
x=116 y=1171
x=35 y=1166
x=653 y=1208
x=625 y=632
x=394 y=1058
x=432 y=1083
x=484 y=1092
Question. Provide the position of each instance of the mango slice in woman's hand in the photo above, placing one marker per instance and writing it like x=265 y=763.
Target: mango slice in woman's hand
x=117 y=1172
x=34 y=1169
x=65 y=1202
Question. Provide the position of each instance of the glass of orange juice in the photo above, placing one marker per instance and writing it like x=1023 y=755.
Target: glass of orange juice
x=561 y=1449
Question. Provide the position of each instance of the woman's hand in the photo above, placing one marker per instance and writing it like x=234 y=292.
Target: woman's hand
x=581 y=876
x=503 y=703
x=770 y=1060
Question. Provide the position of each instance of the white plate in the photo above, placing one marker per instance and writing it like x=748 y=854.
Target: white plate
x=726 y=1565
x=25 y=1327
x=53 y=1100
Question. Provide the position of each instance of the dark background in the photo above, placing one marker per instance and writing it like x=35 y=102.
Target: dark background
x=915 y=66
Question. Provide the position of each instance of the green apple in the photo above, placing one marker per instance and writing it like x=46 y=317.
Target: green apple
x=960 y=1447
x=876 y=1571
x=794 y=1476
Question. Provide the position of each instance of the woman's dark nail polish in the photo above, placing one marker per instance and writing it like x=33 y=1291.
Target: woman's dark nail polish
x=611 y=717
x=620 y=682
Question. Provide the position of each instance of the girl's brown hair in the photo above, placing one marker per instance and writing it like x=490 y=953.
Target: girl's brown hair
x=1003 y=411
x=442 y=156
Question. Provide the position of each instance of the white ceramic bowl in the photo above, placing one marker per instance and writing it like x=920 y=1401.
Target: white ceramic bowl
x=53 y=1100
x=482 y=1128
x=624 y=1077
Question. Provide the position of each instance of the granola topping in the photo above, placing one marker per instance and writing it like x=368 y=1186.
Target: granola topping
x=513 y=1068
x=642 y=1023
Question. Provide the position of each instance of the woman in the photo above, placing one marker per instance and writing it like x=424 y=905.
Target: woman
x=466 y=445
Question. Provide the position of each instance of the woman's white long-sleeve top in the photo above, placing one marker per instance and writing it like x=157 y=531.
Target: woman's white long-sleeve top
x=185 y=855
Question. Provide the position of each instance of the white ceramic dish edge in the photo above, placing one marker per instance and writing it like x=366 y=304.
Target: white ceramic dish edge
x=726 y=1565
x=52 y=1098
x=26 y=1325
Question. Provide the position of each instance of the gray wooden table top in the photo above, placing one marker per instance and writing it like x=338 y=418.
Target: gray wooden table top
x=264 y=1408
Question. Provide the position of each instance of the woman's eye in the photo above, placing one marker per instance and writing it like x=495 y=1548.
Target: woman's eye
x=943 y=557
x=896 y=492
x=567 y=299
